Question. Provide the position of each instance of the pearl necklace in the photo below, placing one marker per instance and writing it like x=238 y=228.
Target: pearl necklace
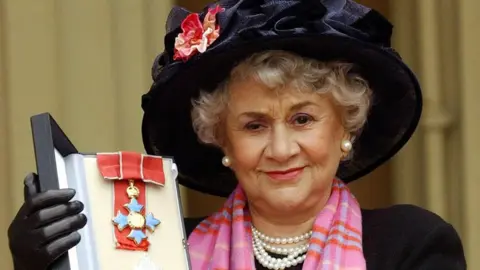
x=295 y=255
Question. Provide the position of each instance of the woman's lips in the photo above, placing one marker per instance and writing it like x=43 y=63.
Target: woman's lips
x=289 y=174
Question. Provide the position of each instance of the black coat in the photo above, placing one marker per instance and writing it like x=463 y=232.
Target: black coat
x=403 y=237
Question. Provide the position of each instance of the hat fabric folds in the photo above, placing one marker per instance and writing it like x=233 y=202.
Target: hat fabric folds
x=321 y=29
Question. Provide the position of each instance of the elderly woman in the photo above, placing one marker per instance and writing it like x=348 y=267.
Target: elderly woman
x=276 y=105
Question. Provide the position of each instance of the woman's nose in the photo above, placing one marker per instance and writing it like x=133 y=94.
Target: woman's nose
x=282 y=145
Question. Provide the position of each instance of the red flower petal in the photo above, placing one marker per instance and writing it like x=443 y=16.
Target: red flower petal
x=216 y=10
x=192 y=23
x=210 y=20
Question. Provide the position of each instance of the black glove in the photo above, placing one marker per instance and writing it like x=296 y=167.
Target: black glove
x=45 y=227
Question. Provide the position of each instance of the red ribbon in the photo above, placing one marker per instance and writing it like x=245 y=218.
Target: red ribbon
x=130 y=166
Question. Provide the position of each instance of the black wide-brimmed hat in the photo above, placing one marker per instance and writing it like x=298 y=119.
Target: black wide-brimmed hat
x=321 y=29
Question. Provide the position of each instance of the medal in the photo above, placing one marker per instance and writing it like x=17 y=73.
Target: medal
x=130 y=173
x=135 y=219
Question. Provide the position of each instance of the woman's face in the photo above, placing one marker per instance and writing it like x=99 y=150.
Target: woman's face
x=285 y=148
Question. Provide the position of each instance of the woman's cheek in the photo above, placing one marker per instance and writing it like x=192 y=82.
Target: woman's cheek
x=247 y=152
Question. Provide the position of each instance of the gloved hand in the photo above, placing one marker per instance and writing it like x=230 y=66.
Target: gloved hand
x=45 y=227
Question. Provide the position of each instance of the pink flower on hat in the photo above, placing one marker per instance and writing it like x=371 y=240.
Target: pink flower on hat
x=196 y=37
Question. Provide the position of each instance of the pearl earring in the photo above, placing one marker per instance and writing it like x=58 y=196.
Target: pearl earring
x=346 y=146
x=226 y=161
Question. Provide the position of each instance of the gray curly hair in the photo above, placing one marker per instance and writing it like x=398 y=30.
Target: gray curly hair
x=278 y=70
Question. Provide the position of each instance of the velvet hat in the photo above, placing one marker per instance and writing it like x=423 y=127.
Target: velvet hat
x=202 y=48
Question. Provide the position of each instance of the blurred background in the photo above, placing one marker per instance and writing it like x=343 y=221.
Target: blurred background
x=88 y=62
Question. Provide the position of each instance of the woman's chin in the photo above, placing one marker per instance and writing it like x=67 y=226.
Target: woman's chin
x=287 y=198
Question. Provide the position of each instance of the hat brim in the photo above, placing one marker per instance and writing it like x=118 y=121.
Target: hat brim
x=393 y=118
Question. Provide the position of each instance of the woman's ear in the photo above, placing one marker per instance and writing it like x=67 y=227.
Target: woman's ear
x=222 y=142
x=226 y=150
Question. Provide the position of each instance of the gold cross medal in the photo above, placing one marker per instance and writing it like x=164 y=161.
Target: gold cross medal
x=135 y=220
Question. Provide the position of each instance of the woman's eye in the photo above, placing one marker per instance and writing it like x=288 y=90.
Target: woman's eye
x=302 y=119
x=253 y=126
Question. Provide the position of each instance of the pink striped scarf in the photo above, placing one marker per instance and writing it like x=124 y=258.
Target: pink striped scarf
x=224 y=240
